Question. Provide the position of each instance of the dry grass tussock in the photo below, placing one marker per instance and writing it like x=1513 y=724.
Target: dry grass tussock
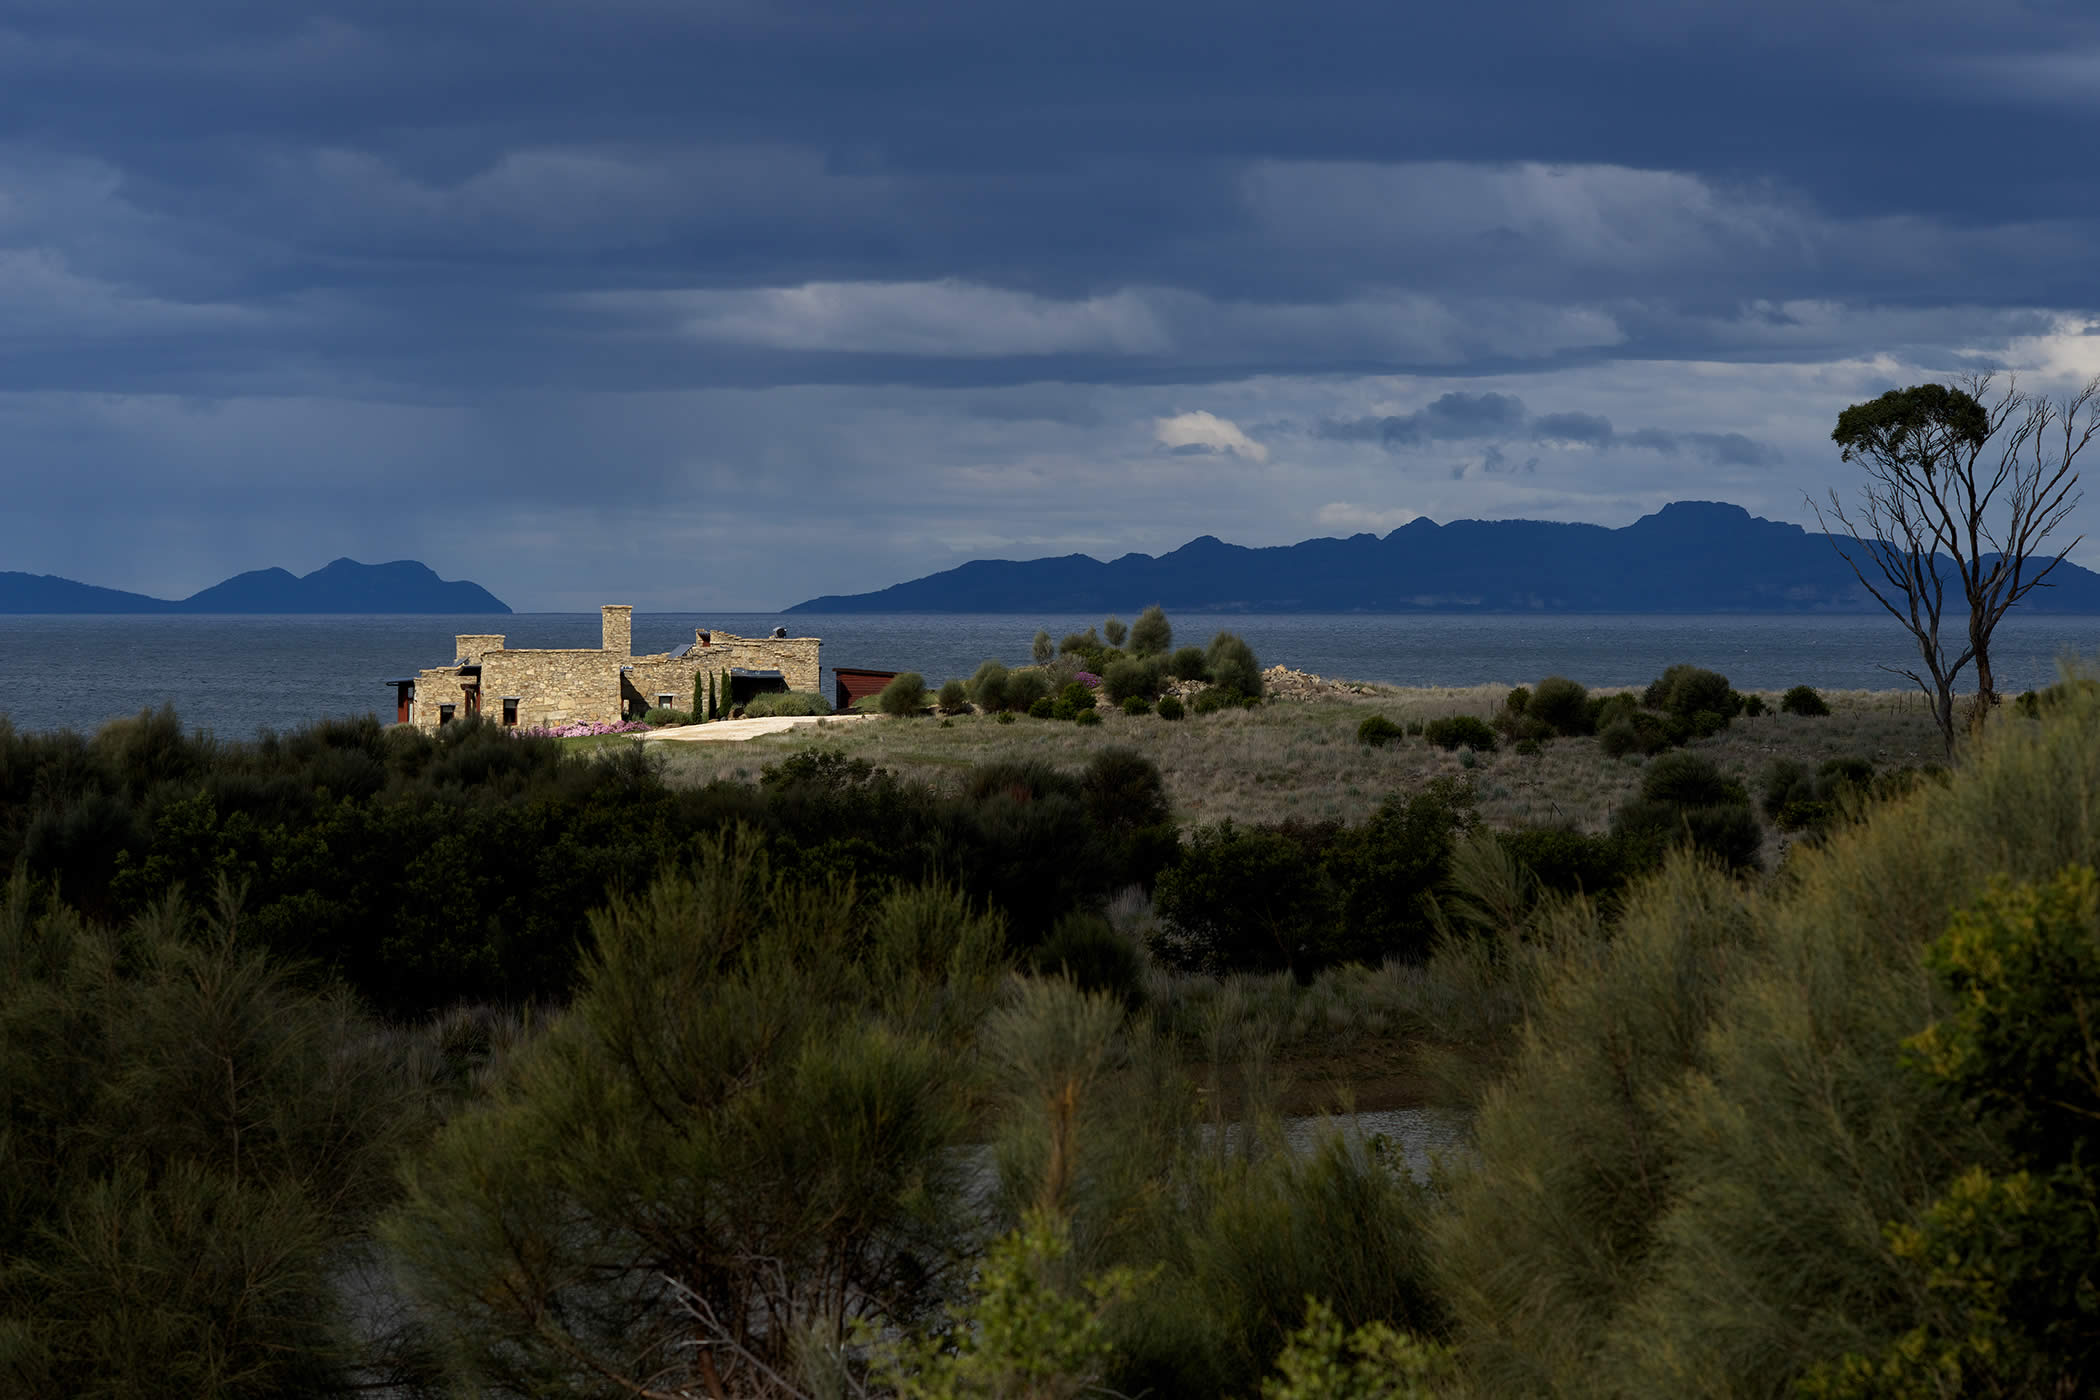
x=1301 y=759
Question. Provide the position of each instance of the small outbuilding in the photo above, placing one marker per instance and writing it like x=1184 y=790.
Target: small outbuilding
x=853 y=683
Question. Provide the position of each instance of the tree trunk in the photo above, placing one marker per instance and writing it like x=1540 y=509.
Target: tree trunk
x=1986 y=687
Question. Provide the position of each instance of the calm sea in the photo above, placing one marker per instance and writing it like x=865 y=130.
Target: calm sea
x=235 y=675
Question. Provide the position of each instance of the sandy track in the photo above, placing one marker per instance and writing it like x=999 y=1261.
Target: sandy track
x=729 y=731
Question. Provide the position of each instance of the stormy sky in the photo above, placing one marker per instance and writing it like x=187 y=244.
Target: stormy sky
x=726 y=303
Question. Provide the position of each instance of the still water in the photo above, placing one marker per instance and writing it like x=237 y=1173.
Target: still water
x=235 y=675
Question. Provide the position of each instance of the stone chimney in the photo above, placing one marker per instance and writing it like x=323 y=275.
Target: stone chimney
x=618 y=628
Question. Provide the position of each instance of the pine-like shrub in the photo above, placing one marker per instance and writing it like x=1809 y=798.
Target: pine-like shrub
x=1233 y=665
x=1377 y=731
x=1460 y=731
x=1803 y=700
x=1151 y=634
x=1188 y=664
x=904 y=695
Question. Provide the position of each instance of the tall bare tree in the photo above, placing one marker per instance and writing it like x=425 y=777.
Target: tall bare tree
x=1973 y=475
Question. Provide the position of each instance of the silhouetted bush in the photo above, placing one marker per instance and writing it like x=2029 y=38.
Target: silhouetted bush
x=1754 y=705
x=1042 y=707
x=988 y=686
x=1685 y=690
x=1686 y=800
x=1086 y=949
x=1188 y=664
x=1233 y=666
x=1132 y=677
x=1567 y=861
x=1377 y=731
x=1803 y=700
x=1562 y=704
x=1024 y=687
x=954 y=697
x=1517 y=700
x=1170 y=707
x=1087 y=716
x=1242 y=899
x=1460 y=731
x=1385 y=872
x=1151 y=634
x=1137 y=705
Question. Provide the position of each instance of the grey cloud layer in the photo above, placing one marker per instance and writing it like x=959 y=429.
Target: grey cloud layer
x=371 y=266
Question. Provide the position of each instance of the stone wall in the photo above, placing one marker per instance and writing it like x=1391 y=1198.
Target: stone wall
x=794 y=657
x=552 y=687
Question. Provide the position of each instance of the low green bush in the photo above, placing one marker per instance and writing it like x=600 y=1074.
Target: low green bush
x=1079 y=695
x=786 y=702
x=1377 y=731
x=1188 y=664
x=1170 y=707
x=1803 y=700
x=953 y=698
x=1527 y=748
x=1567 y=861
x=1004 y=717
x=904 y=695
x=665 y=718
x=1460 y=731
x=1132 y=677
x=1754 y=706
x=1517 y=700
x=1686 y=690
x=1085 y=949
x=1087 y=716
x=1043 y=708
x=1233 y=665
x=1026 y=686
x=1686 y=800
x=988 y=686
x=1562 y=704
x=1136 y=705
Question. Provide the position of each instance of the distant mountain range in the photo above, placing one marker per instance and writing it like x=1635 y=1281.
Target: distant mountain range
x=345 y=586
x=1688 y=557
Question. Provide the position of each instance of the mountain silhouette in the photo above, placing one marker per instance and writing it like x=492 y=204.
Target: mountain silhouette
x=344 y=586
x=1688 y=557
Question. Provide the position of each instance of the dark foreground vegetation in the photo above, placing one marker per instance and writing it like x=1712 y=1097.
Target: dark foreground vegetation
x=355 y=1061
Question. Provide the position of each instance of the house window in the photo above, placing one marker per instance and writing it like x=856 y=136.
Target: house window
x=510 y=709
x=663 y=702
x=445 y=714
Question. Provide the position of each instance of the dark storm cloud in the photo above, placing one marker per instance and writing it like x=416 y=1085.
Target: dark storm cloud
x=376 y=263
x=1460 y=416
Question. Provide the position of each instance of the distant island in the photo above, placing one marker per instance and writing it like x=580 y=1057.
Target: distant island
x=1688 y=557
x=344 y=586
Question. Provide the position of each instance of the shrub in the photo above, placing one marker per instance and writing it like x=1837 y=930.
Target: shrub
x=1085 y=949
x=1377 y=731
x=1078 y=694
x=667 y=717
x=1460 y=731
x=1242 y=899
x=1087 y=643
x=1803 y=700
x=1170 y=707
x=1518 y=700
x=1151 y=634
x=1688 y=780
x=1043 y=708
x=1567 y=861
x=1024 y=687
x=786 y=702
x=1386 y=871
x=1212 y=699
x=1753 y=706
x=1562 y=704
x=1527 y=748
x=988 y=686
x=1136 y=705
x=1188 y=664
x=1132 y=677
x=1041 y=649
x=1087 y=716
x=1114 y=630
x=1685 y=690
x=1005 y=717
x=1233 y=665
x=954 y=697
x=904 y=695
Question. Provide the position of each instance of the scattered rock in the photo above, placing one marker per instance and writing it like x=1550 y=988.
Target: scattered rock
x=1282 y=683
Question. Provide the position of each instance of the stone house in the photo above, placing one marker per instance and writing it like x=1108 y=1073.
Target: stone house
x=531 y=686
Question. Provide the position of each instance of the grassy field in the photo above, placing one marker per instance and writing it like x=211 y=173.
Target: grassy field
x=1300 y=758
